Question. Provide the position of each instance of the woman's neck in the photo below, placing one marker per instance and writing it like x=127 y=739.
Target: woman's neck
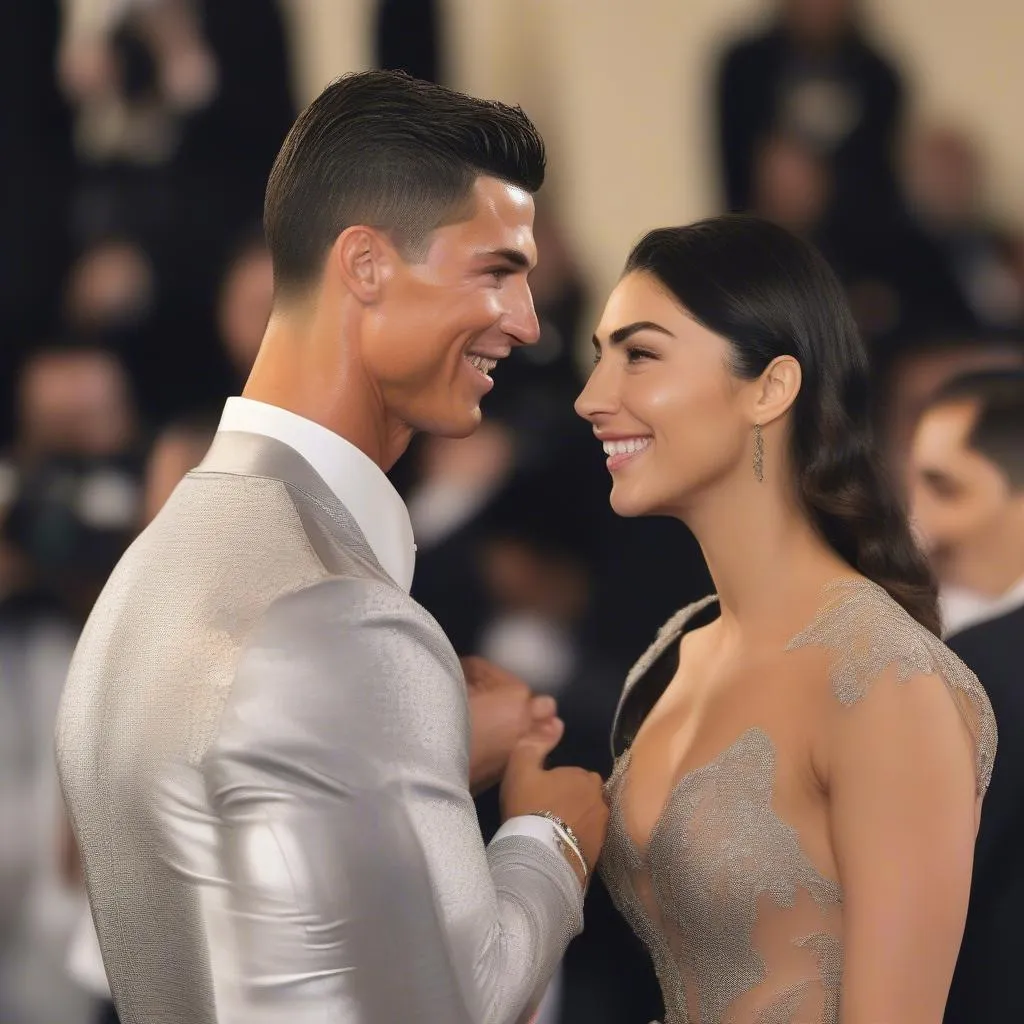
x=767 y=561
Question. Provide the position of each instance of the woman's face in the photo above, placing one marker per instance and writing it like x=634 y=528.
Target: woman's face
x=663 y=401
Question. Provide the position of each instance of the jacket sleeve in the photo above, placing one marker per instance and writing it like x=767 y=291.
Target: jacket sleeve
x=359 y=886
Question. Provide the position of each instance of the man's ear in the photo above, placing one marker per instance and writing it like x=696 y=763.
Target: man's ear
x=776 y=389
x=364 y=260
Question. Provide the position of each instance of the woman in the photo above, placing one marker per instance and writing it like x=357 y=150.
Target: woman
x=800 y=760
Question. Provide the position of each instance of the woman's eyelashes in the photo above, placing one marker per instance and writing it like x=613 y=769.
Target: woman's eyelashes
x=636 y=355
x=632 y=352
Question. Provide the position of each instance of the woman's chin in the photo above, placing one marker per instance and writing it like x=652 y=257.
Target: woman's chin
x=628 y=505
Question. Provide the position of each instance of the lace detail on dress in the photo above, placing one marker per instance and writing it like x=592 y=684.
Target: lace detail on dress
x=869 y=633
x=693 y=896
x=829 y=952
x=741 y=926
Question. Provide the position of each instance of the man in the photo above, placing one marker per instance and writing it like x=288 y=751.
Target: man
x=968 y=504
x=968 y=494
x=264 y=742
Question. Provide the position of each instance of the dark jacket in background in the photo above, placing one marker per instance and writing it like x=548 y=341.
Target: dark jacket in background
x=986 y=986
x=758 y=78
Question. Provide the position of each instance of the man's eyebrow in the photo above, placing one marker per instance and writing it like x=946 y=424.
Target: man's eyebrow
x=514 y=256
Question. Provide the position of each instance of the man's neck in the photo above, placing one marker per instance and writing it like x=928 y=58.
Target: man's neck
x=991 y=582
x=998 y=563
x=296 y=371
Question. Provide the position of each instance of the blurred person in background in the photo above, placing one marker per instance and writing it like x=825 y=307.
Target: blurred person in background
x=944 y=183
x=894 y=276
x=36 y=184
x=115 y=298
x=809 y=117
x=967 y=472
x=936 y=263
x=181 y=106
x=909 y=377
x=813 y=74
x=795 y=742
x=76 y=463
x=174 y=99
x=74 y=498
x=968 y=505
x=74 y=400
x=244 y=301
x=792 y=186
x=37 y=911
x=111 y=288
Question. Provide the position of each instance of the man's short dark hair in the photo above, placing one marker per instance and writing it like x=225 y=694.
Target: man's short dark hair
x=382 y=149
x=998 y=431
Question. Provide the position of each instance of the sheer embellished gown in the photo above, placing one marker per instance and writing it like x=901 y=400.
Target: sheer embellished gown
x=729 y=880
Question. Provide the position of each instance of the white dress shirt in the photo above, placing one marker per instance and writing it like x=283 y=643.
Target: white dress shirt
x=961 y=609
x=353 y=477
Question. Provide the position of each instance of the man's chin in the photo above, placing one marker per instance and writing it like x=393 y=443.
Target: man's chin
x=455 y=426
x=468 y=423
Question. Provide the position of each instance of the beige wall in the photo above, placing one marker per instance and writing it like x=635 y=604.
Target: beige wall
x=619 y=88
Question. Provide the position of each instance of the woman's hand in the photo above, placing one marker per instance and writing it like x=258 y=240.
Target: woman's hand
x=502 y=710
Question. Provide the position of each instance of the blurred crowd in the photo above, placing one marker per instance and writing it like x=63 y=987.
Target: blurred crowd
x=135 y=286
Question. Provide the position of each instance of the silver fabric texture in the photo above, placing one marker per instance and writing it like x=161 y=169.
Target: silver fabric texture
x=721 y=867
x=263 y=744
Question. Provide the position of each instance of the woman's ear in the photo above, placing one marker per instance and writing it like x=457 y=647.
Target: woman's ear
x=776 y=390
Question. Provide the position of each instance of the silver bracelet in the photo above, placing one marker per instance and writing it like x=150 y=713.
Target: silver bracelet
x=570 y=837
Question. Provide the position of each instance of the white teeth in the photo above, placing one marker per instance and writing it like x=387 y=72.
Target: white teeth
x=482 y=364
x=627 y=447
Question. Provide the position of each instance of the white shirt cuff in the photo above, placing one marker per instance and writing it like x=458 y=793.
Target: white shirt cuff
x=534 y=826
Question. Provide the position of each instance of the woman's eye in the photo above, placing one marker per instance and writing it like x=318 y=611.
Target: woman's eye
x=634 y=355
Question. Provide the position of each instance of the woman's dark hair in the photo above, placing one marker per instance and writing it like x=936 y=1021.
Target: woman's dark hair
x=770 y=294
x=382 y=149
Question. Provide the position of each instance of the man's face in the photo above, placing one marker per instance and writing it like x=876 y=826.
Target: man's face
x=447 y=320
x=962 y=505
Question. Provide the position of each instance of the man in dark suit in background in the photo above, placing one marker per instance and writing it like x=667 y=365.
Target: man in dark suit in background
x=968 y=504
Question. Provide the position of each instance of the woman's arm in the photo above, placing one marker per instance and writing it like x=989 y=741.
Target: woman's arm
x=903 y=815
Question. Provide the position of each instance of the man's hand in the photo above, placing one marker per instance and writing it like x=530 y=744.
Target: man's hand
x=502 y=710
x=572 y=794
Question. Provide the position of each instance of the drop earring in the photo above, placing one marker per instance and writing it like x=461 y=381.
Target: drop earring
x=758 y=453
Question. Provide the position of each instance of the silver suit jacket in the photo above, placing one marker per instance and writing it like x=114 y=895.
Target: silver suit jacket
x=263 y=745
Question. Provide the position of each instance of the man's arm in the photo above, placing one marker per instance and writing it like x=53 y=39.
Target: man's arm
x=360 y=887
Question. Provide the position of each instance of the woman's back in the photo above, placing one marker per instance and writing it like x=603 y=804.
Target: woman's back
x=736 y=777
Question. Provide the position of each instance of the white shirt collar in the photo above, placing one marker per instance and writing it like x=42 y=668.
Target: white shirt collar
x=961 y=609
x=354 y=478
